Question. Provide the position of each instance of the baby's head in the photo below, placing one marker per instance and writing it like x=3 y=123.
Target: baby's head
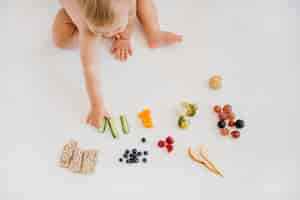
x=106 y=17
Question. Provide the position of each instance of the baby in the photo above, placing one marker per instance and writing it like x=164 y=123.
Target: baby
x=80 y=22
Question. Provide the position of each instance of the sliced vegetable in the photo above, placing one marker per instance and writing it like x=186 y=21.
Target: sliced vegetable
x=145 y=113
x=148 y=123
x=190 y=109
x=146 y=118
x=183 y=123
x=124 y=123
x=113 y=129
x=102 y=126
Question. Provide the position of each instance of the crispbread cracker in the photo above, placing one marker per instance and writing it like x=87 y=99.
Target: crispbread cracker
x=89 y=161
x=67 y=153
x=76 y=162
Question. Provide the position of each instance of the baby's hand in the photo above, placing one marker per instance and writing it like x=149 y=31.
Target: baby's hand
x=121 y=48
x=95 y=116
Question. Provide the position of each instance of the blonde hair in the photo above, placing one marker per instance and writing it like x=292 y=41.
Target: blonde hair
x=98 y=12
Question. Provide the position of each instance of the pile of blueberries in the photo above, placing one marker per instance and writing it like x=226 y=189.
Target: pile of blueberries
x=134 y=156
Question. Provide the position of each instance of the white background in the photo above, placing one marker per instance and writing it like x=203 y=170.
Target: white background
x=253 y=44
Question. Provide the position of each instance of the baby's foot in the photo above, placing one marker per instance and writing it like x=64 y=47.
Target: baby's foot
x=163 y=38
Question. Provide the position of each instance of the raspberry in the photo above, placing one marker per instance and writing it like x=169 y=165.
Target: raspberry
x=169 y=148
x=170 y=140
x=161 y=144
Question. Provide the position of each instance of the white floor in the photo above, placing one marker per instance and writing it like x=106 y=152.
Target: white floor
x=253 y=44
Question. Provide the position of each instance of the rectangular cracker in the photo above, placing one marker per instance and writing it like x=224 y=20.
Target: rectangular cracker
x=76 y=162
x=67 y=153
x=89 y=161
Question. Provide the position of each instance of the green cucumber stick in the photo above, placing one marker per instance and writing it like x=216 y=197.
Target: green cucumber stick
x=113 y=129
x=102 y=125
x=124 y=124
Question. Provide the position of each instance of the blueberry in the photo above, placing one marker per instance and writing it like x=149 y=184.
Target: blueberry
x=127 y=161
x=134 y=151
x=139 y=153
x=144 y=160
x=146 y=153
x=127 y=151
x=239 y=124
x=125 y=156
x=143 y=140
x=120 y=159
x=134 y=155
x=222 y=124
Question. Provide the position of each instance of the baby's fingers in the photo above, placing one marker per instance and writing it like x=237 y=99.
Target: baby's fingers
x=118 y=36
x=130 y=51
x=95 y=123
x=125 y=56
x=106 y=115
x=88 y=120
x=117 y=54
x=122 y=55
x=113 y=49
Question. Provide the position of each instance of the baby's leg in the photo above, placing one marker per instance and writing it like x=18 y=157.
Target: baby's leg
x=147 y=15
x=65 y=33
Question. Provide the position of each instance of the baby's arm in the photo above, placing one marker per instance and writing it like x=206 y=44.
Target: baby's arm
x=131 y=16
x=126 y=34
x=121 y=47
x=90 y=60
